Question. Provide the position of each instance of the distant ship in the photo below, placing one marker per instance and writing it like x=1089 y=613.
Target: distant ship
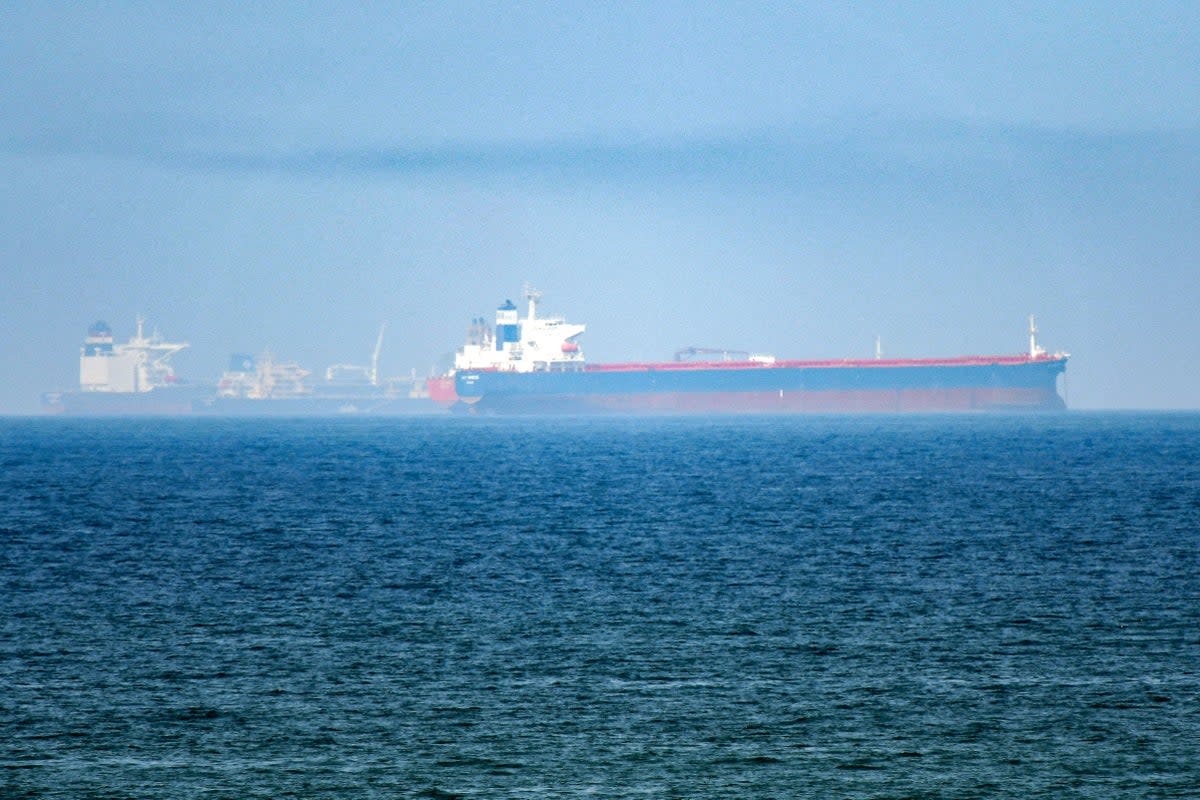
x=266 y=386
x=133 y=378
x=137 y=378
x=535 y=365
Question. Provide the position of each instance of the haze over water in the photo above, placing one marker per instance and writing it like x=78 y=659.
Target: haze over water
x=784 y=178
x=444 y=607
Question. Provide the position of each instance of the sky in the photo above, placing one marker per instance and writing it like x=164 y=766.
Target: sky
x=796 y=179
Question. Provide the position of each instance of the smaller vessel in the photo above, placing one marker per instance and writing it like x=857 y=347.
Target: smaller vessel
x=263 y=378
x=267 y=386
x=136 y=377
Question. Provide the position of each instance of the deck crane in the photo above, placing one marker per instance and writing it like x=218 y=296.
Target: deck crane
x=375 y=356
x=353 y=373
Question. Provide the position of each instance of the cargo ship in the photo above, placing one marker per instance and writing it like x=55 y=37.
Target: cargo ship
x=266 y=386
x=134 y=378
x=535 y=365
x=137 y=379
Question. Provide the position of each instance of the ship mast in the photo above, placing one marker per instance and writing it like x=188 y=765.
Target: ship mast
x=1035 y=349
x=533 y=296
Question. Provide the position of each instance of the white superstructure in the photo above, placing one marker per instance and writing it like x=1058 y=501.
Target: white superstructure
x=532 y=344
x=140 y=365
x=263 y=377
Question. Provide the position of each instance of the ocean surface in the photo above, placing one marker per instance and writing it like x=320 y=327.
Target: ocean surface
x=876 y=607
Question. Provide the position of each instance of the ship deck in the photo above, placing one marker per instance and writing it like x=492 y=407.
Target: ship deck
x=955 y=361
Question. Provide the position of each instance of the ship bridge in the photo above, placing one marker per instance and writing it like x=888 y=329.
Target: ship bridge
x=529 y=344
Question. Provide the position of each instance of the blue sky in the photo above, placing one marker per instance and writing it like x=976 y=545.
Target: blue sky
x=773 y=177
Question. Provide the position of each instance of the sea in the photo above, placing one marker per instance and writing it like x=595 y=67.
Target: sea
x=454 y=607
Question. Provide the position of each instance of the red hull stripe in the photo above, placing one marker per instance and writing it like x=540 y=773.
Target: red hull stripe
x=873 y=363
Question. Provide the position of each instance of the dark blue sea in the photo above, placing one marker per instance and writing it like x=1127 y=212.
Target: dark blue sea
x=876 y=607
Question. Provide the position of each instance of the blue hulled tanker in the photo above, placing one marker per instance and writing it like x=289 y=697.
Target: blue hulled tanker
x=535 y=366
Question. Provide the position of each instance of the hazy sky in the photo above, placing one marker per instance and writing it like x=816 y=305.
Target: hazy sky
x=787 y=178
